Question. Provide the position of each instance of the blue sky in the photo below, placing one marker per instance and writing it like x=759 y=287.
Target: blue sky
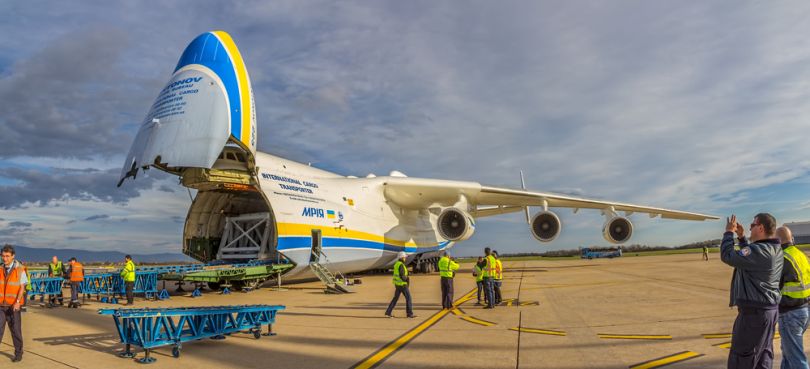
x=699 y=106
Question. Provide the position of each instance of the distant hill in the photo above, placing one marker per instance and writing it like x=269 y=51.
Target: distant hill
x=35 y=254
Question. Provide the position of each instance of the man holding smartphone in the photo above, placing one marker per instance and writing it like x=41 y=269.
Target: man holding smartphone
x=754 y=290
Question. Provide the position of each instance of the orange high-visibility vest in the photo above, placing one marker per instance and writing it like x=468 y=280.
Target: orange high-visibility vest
x=10 y=285
x=77 y=272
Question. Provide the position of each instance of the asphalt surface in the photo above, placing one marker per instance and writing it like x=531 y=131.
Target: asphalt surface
x=632 y=312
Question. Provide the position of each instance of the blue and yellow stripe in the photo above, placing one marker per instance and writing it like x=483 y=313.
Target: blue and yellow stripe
x=217 y=52
x=296 y=236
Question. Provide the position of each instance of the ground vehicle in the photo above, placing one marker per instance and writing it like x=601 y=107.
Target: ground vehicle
x=610 y=253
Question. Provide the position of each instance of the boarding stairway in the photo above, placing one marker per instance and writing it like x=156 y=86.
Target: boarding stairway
x=331 y=283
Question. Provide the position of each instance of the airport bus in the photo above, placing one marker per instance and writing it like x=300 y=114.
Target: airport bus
x=610 y=253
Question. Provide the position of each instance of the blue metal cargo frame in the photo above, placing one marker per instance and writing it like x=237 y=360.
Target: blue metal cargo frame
x=37 y=274
x=151 y=328
x=45 y=287
x=111 y=284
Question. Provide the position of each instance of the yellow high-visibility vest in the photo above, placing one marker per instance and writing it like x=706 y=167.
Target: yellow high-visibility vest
x=479 y=273
x=489 y=270
x=498 y=270
x=800 y=289
x=397 y=278
x=128 y=274
x=57 y=269
x=447 y=267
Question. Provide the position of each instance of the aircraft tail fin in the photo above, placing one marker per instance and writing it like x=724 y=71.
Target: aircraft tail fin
x=207 y=104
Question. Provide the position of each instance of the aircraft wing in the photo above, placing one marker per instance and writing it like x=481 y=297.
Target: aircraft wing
x=420 y=193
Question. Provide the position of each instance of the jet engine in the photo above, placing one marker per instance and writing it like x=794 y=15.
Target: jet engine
x=617 y=230
x=455 y=224
x=545 y=226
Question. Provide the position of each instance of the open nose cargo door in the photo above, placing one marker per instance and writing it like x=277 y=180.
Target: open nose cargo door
x=206 y=106
x=202 y=127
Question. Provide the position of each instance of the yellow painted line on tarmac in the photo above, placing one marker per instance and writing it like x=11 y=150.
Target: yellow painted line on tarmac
x=634 y=336
x=463 y=315
x=475 y=320
x=709 y=336
x=728 y=335
x=666 y=360
x=538 y=331
x=725 y=345
x=379 y=356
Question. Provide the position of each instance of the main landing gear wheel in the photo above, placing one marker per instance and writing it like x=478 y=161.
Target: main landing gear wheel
x=176 y=351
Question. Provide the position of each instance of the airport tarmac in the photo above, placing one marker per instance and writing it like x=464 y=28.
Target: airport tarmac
x=631 y=312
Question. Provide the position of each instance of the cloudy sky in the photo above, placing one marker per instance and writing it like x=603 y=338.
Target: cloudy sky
x=700 y=106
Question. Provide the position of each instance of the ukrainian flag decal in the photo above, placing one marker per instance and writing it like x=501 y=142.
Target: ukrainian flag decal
x=330 y=214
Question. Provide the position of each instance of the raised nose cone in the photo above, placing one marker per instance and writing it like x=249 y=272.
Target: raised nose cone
x=207 y=103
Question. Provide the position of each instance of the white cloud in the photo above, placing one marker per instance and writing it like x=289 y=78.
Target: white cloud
x=687 y=105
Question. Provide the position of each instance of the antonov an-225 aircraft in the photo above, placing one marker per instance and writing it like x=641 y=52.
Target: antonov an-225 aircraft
x=252 y=205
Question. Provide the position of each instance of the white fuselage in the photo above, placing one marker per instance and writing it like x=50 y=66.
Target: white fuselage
x=360 y=230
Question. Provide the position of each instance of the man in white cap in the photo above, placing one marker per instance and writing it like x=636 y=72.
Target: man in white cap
x=401 y=285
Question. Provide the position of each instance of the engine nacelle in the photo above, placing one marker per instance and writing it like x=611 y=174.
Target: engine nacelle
x=617 y=230
x=455 y=224
x=545 y=226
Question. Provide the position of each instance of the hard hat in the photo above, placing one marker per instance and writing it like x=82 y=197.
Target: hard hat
x=401 y=255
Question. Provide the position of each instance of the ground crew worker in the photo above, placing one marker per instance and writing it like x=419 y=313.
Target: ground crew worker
x=489 y=274
x=447 y=271
x=794 y=314
x=27 y=288
x=401 y=282
x=128 y=274
x=478 y=273
x=56 y=270
x=754 y=290
x=705 y=252
x=76 y=274
x=498 y=278
x=13 y=280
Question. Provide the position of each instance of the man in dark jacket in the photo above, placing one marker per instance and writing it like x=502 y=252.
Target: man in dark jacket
x=793 y=311
x=754 y=290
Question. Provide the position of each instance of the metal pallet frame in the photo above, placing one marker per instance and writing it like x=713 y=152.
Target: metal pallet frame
x=112 y=285
x=37 y=274
x=151 y=328
x=249 y=275
x=45 y=287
